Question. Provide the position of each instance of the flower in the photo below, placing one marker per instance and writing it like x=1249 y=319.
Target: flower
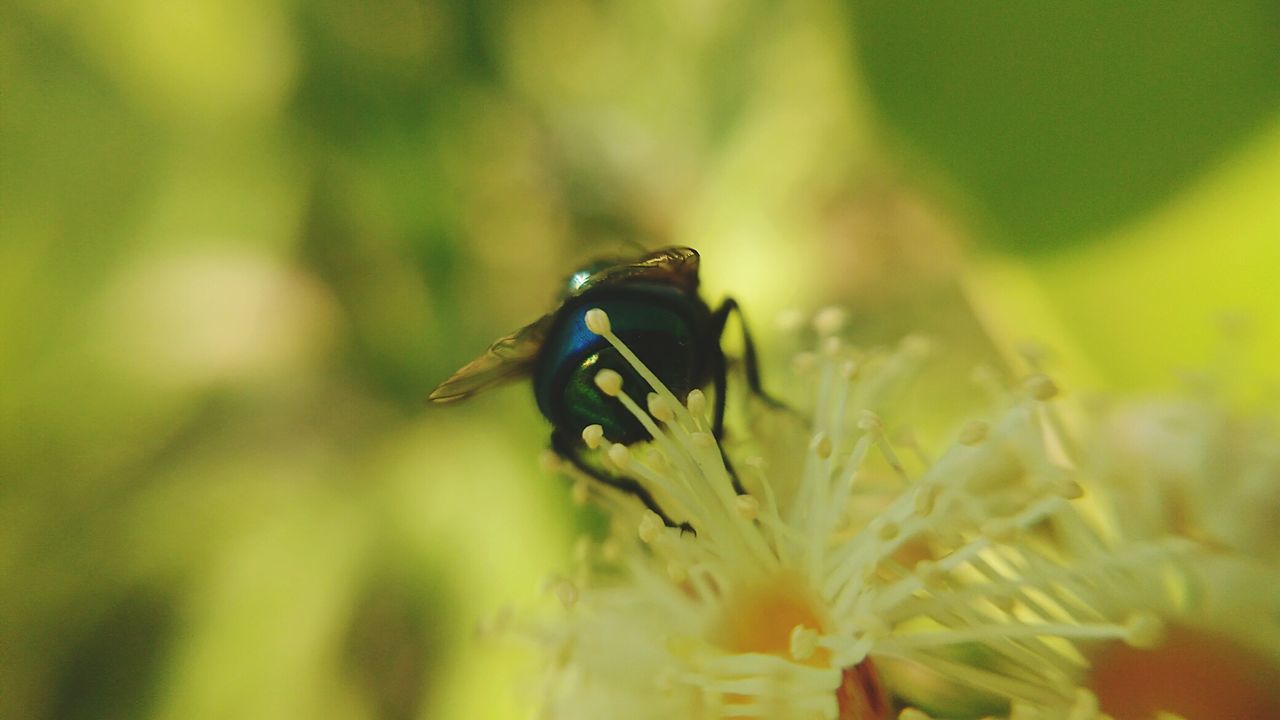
x=1187 y=466
x=869 y=577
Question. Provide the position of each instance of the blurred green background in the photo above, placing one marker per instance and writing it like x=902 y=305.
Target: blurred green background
x=240 y=241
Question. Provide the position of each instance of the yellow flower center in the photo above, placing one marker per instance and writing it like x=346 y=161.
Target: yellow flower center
x=768 y=617
x=762 y=618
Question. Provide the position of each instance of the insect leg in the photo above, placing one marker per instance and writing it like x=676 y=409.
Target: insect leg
x=567 y=447
x=718 y=320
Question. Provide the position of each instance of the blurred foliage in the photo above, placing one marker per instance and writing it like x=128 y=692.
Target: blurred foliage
x=1061 y=121
x=242 y=240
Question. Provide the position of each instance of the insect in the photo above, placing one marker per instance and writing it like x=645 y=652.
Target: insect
x=654 y=307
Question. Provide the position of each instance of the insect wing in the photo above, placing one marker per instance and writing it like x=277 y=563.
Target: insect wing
x=507 y=358
x=676 y=265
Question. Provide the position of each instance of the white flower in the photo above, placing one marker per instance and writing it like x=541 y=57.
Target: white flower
x=843 y=587
x=1189 y=467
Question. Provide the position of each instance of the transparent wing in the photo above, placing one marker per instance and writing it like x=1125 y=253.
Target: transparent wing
x=506 y=359
x=676 y=265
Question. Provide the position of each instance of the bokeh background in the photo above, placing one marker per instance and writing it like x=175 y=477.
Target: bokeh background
x=240 y=241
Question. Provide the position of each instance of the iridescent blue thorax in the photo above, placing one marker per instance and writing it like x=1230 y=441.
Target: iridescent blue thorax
x=665 y=326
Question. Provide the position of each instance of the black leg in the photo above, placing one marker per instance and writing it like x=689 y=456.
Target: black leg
x=719 y=319
x=568 y=448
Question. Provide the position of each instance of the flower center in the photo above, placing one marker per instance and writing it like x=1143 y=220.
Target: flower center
x=768 y=618
x=762 y=619
x=1193 y=674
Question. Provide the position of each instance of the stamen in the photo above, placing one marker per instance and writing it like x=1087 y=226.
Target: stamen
x=829 y=320
x=580 y=492
x=593 y=435
x=1041 y=387
x=660 y=408
x=620 y=455
x=821 y=445
x=609 y=382
x=1143 y=631
x=598 y=321
x=804 y=641
x=650 y=526
x=697 y=402
x=973 y=432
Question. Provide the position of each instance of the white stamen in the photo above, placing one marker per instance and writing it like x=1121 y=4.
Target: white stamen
x=697 y=403
x=593 y=435
x=660 y=408
x=747 y=506
x=1144 y=631
x=620 y=455
x=580 y=493
x=597 y=321
x=1041 y=387
x=973 y=432
x=829 y=320
x=804 y=641
x=609 y=382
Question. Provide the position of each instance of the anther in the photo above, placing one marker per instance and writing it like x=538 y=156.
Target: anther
x=973 y=432
x=582 y=549
x=747 y=507
x=829 y=320
x=831 y=346
x=804 y=641
x=650 y=526
x=849 y=369
x=704 y=440
x=609 y=382
x=610 y=550
x=917 y=345
x=676 y=572
x=1143 y=631
x=926 y=500
x=656 y=460
x=580 y=493
x=821 y=444
x=888 y=531
x=697 y=402
x=597 y=321
x=790 y=320
x=620 y=455
x=567 y=593
x=550 y=461
x=869 y=422
x=1068 y=489
x=660 y=408
x=592 y=435
x=1041 y=387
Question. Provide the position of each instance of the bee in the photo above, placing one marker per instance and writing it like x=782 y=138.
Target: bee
x=654 y=307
